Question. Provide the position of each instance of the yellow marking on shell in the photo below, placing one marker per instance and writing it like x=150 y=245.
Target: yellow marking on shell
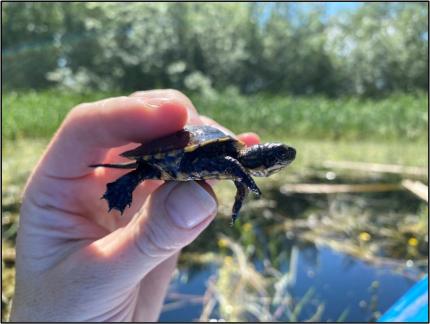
x=208 y=175
x=166 y=176
x=192 y=148
x=159 y=156
x=224 y=176
x=242 y=144
x=182 y=176
x=173 y=152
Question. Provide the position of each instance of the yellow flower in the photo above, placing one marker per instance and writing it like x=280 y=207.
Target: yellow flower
x=228 y=260
x=222 y=243
x=413 y=241
x=364 y=236
x=247 y=227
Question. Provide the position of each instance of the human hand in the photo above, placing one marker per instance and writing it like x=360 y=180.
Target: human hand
x=77 y=262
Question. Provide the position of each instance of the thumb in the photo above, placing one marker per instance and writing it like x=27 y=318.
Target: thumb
x=173 y=216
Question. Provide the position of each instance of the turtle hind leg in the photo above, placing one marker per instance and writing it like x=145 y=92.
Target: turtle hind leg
x=242 y=190
x=119 y=193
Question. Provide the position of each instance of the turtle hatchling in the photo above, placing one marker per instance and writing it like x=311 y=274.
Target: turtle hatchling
x=197 y=153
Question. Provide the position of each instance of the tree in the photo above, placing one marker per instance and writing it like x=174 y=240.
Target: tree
x=30 y=39
x=381 y=47
x=254 y=47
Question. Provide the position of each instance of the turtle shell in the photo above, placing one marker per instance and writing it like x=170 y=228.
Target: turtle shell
x=188 y=139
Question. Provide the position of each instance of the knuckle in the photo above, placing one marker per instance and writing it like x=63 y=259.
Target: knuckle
x=79 y=111
x=121 y=98
x=150 y=246
x=137 y=93
x=176 y=93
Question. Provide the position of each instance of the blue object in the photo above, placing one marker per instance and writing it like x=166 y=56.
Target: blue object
x=412 y=306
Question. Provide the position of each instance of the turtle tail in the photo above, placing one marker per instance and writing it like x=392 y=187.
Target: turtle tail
x=132 y=165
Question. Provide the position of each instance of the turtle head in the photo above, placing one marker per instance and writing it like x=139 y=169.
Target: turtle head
x=263 y=160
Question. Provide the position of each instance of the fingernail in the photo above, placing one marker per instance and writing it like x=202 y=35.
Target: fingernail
x=188 y=204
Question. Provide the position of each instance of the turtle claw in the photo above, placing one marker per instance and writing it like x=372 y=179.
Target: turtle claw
x=233 y=220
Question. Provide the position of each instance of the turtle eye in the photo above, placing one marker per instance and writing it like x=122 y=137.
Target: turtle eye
x=270 y=160
x=290 y=154
x=285 y=153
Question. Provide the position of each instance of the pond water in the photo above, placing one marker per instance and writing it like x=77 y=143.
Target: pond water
x=335 y=285
x=350 y=289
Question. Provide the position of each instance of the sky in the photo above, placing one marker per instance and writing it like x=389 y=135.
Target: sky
x=331 y=7
x=334 y=7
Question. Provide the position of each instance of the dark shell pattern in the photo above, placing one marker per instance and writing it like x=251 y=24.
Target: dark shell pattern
x=187 y=139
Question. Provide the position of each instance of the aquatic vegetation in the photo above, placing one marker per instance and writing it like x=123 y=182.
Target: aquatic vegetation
x=373 y=235
x=241 y=293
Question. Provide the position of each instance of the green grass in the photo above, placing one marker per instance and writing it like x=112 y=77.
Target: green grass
x=398 y=117
x=38 y=114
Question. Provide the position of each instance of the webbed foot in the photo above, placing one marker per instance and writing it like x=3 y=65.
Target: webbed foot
x=118 y=196
x=119 y=193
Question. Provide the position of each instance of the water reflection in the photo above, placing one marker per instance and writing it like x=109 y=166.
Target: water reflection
x=348 y=289
x=297 y=257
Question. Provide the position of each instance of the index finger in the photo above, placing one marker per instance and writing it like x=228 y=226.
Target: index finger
x=91 y=129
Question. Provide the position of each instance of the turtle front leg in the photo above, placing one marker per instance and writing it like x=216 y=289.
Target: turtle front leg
x=242 y=180
x=234 y=169
x=241 y=192
x=119 y=193
x=225 y=167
